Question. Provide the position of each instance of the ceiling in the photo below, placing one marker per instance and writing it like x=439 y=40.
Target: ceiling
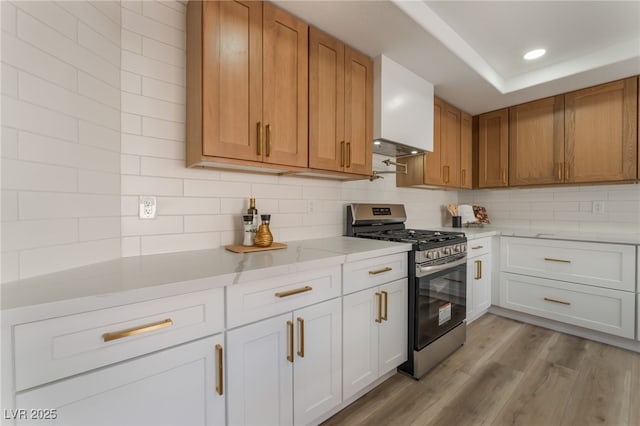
x=472 y=50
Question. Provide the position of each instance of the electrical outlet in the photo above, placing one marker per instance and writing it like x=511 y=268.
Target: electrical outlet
x=598 y=207
x=147 y=207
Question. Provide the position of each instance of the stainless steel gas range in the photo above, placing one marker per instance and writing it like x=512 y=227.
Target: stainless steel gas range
x=437 y=281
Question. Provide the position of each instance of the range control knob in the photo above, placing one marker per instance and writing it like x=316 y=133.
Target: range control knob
x=446 y=251
x=430 y=254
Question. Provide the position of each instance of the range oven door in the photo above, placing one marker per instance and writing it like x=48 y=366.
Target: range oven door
x=440 y=300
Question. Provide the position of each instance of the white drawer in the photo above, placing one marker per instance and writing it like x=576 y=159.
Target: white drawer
x=369 y=273
x=60 y=347
x=605 y=310
x=478 y=247
x=603 y=265
x=253 y=301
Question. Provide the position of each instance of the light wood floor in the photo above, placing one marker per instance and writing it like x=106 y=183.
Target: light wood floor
x=510 y=373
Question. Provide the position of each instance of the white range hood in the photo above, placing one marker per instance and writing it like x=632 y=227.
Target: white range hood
x=402 y=111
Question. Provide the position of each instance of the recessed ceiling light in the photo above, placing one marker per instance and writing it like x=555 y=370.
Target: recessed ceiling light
x=534 y=54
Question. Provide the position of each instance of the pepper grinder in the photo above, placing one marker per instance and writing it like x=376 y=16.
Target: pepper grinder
x=248 y=229
x=264 y=237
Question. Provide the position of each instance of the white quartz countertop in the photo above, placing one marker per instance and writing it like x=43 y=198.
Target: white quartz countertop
x=490 y=230
x=134 y=279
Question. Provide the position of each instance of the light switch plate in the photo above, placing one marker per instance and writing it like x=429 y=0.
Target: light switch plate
x=147 y=207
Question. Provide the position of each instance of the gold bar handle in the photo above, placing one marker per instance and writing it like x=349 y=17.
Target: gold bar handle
x=478 y=269
x=380 y=271
x=463 y=177
x=379 y=299
x=290 y=349
x=348 y=154
x=268 y=139
x=220 y=387
x=557 y=301
x=292 y=292
x=259 y=133
x=504 y=176
x=559 y=173
x=386 y=305
x=445 y=172
x=551 y=259
x=301 y=337
x=476 y=247
x=107 y=337
x=342 y=154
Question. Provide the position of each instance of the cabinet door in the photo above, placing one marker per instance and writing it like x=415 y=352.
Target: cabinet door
x=450 y=145
x=260 y=375
x=285 y=90
x=493 y=161
x=232 y=78
x=318 y=362
x=326 y=102
x=358 y=112
x=393 y=329
x=177 y=386
x=601 y=132
x=360 y=341
x=536 y=142
x=432 y=160
x=466 y=154
x=481 y=283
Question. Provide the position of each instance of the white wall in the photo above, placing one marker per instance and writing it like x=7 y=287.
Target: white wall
x=563 y=208
x=60 y=135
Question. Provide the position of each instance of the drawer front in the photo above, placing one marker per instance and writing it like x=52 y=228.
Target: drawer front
x=605 y=310
x=60 y=347
x=253 y=301
x=478 y=247
x=369 y=273
x=604 y=265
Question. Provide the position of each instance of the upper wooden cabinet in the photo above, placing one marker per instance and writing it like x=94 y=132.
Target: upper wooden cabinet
x=340 y=106
x=493 y=149
x=536 y=142
x=450 y=162
x=466 y=151
x=601 y=133
x=247 y=71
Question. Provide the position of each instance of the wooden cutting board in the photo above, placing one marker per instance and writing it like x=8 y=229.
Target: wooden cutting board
x=252 y=249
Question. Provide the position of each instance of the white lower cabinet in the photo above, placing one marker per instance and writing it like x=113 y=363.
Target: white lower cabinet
x=286 y=369
x=176 y=386
x=479 y=272
x=375 y=334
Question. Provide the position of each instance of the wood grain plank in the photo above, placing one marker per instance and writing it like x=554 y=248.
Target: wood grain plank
x=524 y=346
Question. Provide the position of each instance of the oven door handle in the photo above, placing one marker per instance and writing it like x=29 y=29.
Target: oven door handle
x=425 y=270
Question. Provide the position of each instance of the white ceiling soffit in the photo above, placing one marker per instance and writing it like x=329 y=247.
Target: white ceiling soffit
x=472 y=23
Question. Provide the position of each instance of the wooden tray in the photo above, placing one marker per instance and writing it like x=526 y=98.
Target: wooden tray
x=252 y=249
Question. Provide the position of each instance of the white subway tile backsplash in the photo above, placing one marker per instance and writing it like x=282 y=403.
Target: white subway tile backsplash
x=67 y=50
x=86 y=12
x=9 y=143
x=152 y=68
x=152 y=29
x=130 y=246
x=158 y=11
x=142 y=185
x=98 y=91
x=132 y=42
x=50 y=205
x=179 y=242
x=97 y=182
x=9 y=81
x=320 y=193
x=39 y=233
x=132 y=226
x=153 y=147
x=234 y=205
x=157 y=89
x=293 y=206
x=176 y=5
x=131 y=123
x=129 y=205
x=287 y=192
x=189 y=206
x=9 y=18
x=163 y=52
x=99 y=44
x=98 y=228
x=235 y=176
x=26 y=57
x=98 y=136
x=150 y=166
x=23 y=175
x=205 y=188
x=163 y=129
x=50 y=259
x=129 y=164
x=209 y=223
x=52 y=15
x=43 y=149
x=133 y=5
x=10 y=261
x=9 y=206
x=26 y=116
x=110 y=9
x=131 y=83
x=156 y=108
